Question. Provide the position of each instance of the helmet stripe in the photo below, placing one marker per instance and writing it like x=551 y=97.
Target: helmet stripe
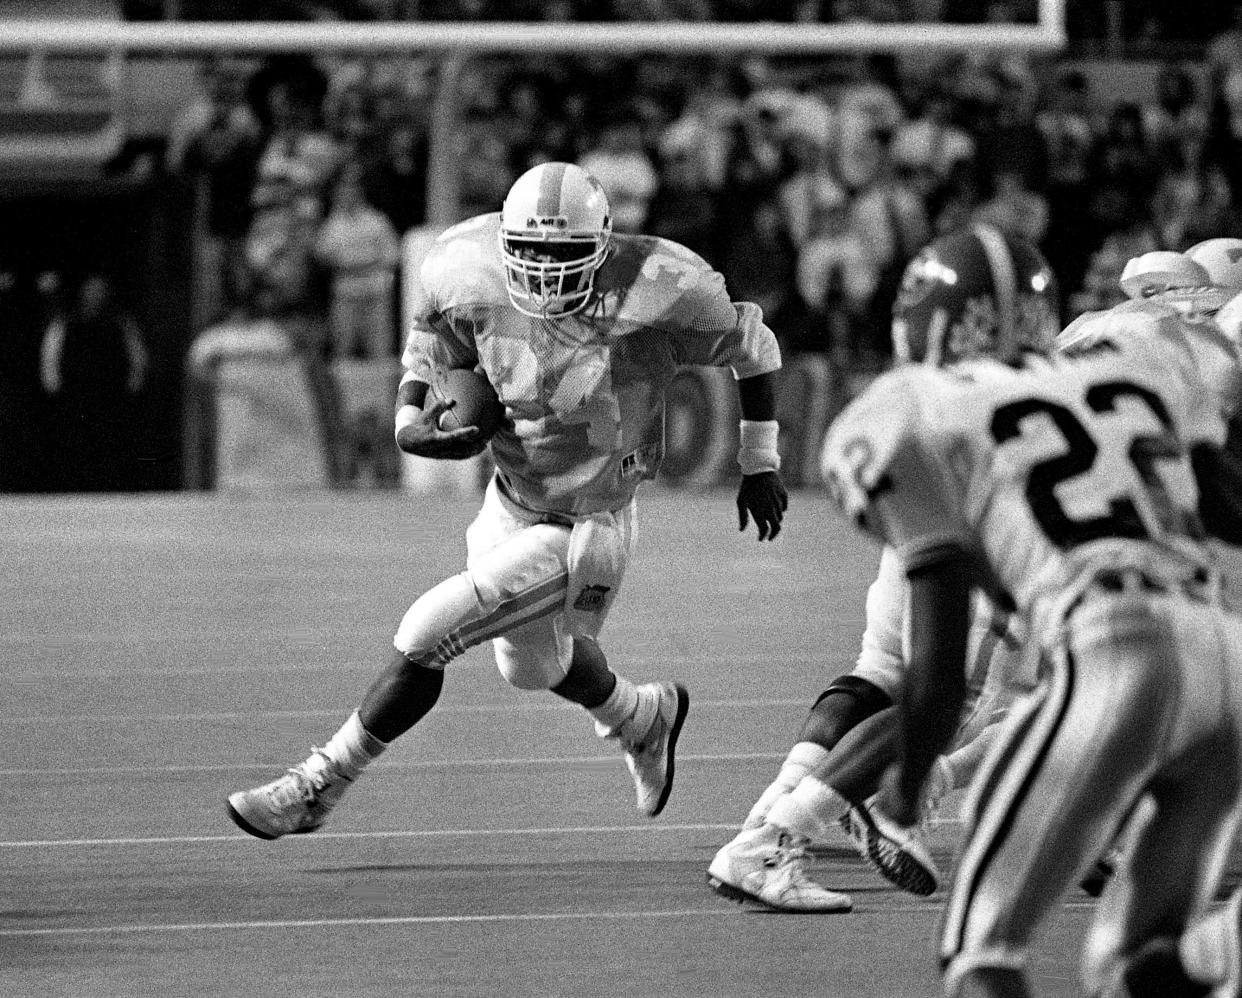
x=550 y=183
x=1004 y=281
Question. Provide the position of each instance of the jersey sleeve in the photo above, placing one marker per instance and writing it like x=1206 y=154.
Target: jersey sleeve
x=896 y=473
x=704 y=325
x=441 y=336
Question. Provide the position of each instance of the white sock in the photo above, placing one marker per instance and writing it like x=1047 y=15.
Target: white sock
x=621 y=705
x=810 y=810
x=353 y=748
x=803 y=758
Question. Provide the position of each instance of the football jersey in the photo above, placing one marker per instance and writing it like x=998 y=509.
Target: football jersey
x=1042 y=473
x=1184 y=319
x=584 y=393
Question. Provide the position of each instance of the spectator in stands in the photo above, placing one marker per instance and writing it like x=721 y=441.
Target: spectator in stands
x=1069 y=122
x=280 y=245
x=217 y=141
x=837 y=279
x=348 y=110
x=92 y=363
x=1177 y=118
x=1123 y=171
x=1014 y=208
x=811 y=182
x=484 y=174
x=891 y=215
x=1192 y=200
x=1135 y=235
x=623 y=168
x=299 y=155
x=684 y=208
x=704 y=127
x=929 y=143
x=359 y=247
x=394 y=175
x=1014 y=143
x=868 y=112
x=1224 y=54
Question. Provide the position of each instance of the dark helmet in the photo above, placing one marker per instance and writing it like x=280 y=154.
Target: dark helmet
x=975 y=292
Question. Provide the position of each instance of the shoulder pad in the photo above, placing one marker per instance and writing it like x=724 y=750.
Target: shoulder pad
x=863 y=441
x=657 y=279
x=463 y=265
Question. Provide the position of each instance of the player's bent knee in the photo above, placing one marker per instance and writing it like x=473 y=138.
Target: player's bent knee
x=535 y=657
x=439 y=612
x=847 y=702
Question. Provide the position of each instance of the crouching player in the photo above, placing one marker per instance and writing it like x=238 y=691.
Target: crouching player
x=847 y=741
x=1075 y=490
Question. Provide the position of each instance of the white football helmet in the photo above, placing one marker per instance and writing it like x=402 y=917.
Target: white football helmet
x=554 y=231
x=1154 y=273
x=1222 y=259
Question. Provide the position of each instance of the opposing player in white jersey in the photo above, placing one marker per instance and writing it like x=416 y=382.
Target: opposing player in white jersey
x=1077 y=491
x=845 y=744
x=580 y=332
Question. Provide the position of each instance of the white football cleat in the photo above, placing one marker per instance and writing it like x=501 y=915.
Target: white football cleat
x=897 y=853
x=768 y=866
x=649 y=739
x=295 y=803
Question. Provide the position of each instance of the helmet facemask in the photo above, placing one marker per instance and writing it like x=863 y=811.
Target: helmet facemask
x=554 y=275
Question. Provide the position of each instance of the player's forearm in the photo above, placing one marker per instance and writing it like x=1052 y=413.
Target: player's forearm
x=936 y=679
x=757 y=396
x=1219 y=476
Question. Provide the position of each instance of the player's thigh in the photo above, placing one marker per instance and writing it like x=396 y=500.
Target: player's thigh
x=599 y=551
x=1067 y=768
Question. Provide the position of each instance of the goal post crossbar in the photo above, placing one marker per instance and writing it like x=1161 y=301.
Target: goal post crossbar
x=508 y=37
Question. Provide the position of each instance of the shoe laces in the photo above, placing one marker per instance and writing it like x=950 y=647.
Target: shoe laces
x=790 y=858
x=304 y=782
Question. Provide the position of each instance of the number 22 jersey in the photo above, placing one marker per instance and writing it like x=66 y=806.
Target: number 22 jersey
x=1042 y=472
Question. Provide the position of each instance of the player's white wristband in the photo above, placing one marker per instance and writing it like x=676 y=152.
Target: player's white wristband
x=407 y=415
x=757 y=452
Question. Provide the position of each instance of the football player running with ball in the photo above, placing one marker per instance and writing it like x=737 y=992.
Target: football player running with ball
x=580 y=332
x=1079 y=491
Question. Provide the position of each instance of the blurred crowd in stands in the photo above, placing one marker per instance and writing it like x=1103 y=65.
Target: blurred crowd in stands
x=807 y=182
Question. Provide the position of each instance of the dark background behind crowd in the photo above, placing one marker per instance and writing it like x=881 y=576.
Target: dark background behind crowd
x=809 y=182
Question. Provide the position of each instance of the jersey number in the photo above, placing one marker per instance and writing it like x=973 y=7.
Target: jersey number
x=1123 y=518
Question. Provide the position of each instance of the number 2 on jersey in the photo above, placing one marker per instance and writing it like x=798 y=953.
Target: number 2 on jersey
x=1146 y=450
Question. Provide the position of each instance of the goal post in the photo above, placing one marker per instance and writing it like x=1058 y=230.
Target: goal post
x=763 y=38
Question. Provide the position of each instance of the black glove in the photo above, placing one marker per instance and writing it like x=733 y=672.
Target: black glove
x=762 y=496
x=424 y=438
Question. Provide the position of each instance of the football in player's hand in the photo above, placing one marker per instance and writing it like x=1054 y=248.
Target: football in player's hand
x=475 y=401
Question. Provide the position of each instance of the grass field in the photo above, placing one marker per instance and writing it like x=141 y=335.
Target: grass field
x=162 y=651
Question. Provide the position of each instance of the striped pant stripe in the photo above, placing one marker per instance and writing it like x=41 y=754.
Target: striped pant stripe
x=1002 y=799
x=539 y=601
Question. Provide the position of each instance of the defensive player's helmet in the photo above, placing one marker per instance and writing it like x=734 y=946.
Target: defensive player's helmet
x=1154 y=273
x=975 y=292
x=1222 y=259
x=554 y=232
